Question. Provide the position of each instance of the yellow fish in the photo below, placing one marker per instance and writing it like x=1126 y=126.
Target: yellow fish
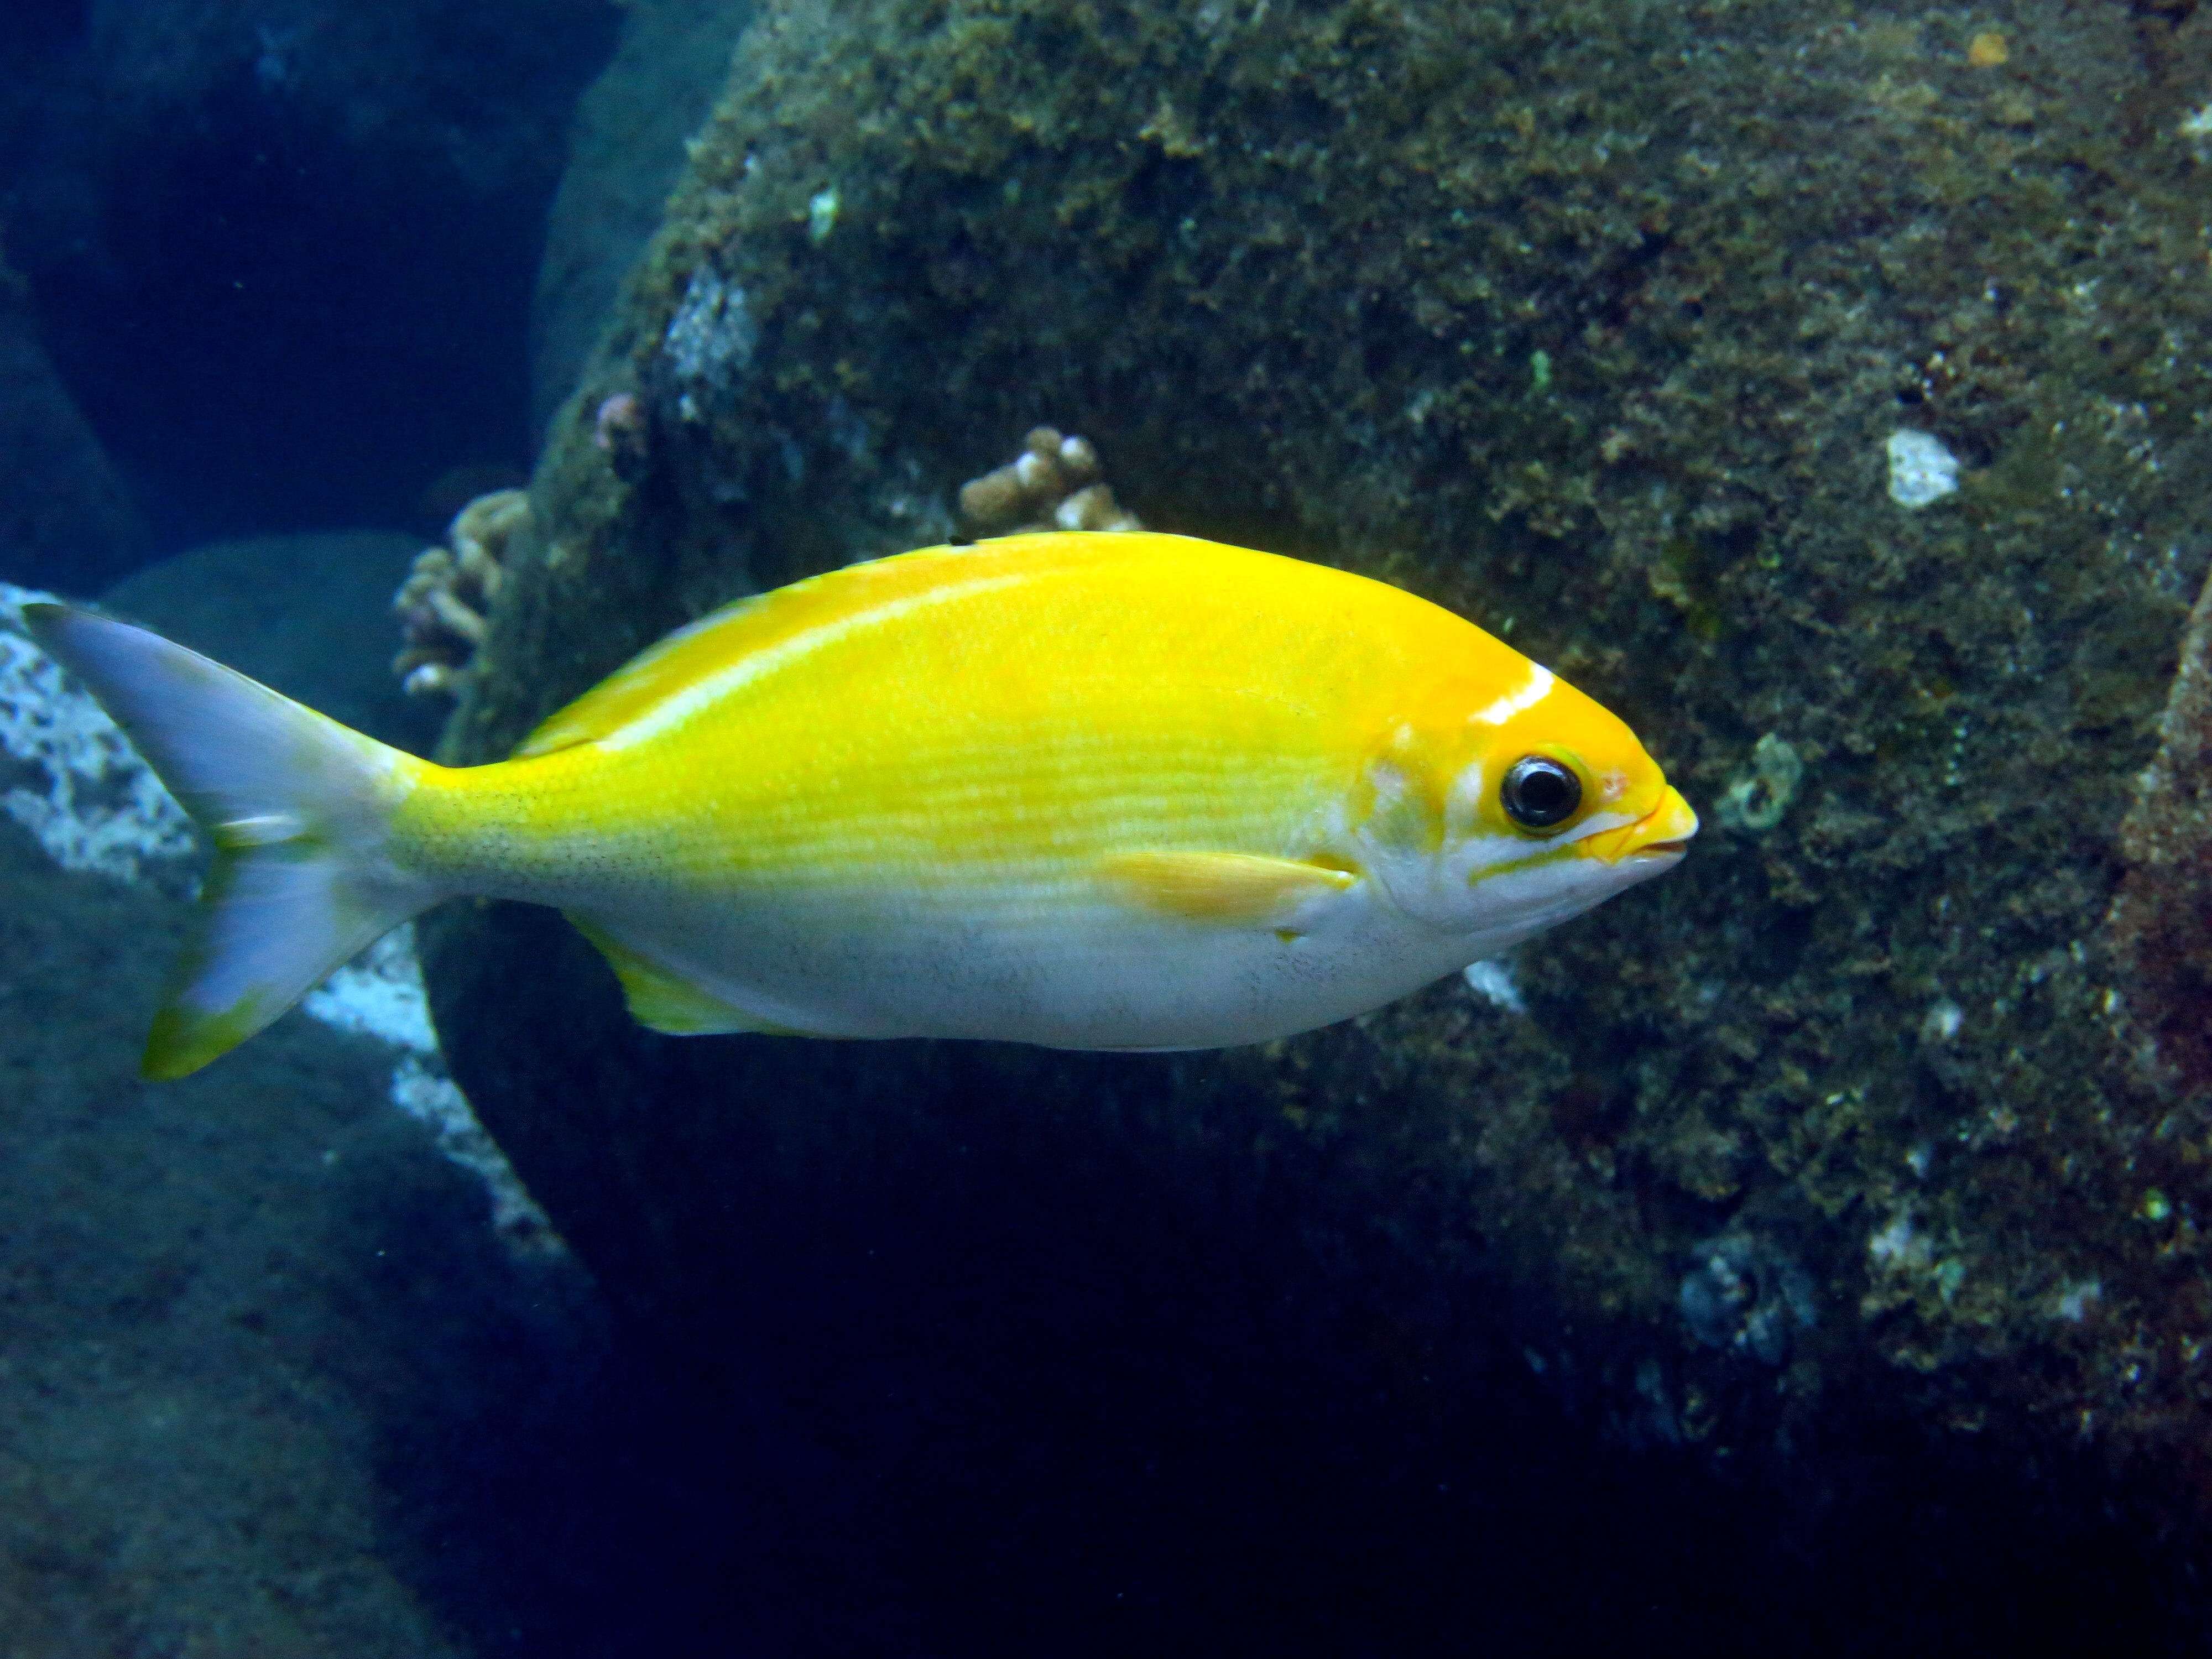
x=1092 y=791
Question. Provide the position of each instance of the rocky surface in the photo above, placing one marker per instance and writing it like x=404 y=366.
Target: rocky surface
x=626 y=152
x=2161 y=922
x=224 y=1404
x=1817 y=390
x=79 y=521
x=289 y=1366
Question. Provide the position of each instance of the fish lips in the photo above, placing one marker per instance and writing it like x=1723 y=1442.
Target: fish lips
x=1655 y=841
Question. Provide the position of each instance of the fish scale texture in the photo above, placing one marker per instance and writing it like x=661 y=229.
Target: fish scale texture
x=1592 y=322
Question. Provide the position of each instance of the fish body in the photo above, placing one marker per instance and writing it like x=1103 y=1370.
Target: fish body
x=1091 y=791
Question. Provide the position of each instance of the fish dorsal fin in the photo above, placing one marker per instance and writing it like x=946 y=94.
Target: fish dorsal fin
x=1241 y=889
x=662 y=1001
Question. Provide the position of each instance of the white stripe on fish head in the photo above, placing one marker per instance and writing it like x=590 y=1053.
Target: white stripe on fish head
x=1531 y=691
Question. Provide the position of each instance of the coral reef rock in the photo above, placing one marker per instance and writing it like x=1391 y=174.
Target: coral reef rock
x=225 y=1433
x=78 y=523
x=1818 y=1166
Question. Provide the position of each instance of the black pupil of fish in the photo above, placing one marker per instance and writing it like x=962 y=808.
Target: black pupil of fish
x=1540 y=793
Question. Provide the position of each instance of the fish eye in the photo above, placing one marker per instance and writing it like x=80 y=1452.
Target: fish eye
x=1540 y=792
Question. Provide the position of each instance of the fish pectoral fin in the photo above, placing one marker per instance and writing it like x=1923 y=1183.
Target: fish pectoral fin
x=1243 y=889
x=666 y=1002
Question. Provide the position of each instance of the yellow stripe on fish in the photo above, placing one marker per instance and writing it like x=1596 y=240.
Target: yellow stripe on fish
x=1099 y=791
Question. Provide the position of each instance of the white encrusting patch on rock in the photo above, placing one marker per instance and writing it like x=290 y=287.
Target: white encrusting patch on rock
x=709 y=343
x=379 y=994
x=2075 y=1298
x=69 y=776
x=420 y=1089
x=1493 y=980
x=1921 y=471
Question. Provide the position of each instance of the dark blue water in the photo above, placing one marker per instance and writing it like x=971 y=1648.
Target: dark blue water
x=288 y=287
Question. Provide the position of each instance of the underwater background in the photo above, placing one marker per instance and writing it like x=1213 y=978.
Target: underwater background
x=1803 y=1249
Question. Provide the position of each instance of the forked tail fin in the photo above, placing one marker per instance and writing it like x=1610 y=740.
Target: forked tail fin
x=298 y=806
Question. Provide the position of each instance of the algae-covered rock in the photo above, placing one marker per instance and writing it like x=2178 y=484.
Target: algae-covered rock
x=1596 y=322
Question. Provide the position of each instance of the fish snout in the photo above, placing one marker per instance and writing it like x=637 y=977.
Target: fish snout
x=1661 y=834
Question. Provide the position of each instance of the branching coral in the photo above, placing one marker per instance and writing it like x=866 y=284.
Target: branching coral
x=444 y=602
x=1053 y=485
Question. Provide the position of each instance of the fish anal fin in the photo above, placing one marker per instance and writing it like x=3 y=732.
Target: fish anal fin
x=1240 y=889
x=666 y=1002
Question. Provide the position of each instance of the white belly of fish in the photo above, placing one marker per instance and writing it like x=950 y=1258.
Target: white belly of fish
x=1058 y=964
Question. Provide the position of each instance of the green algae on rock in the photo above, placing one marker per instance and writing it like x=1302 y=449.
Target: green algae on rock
x=1594 y=322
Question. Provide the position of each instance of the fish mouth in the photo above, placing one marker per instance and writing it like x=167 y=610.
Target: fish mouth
x=1660 y=836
